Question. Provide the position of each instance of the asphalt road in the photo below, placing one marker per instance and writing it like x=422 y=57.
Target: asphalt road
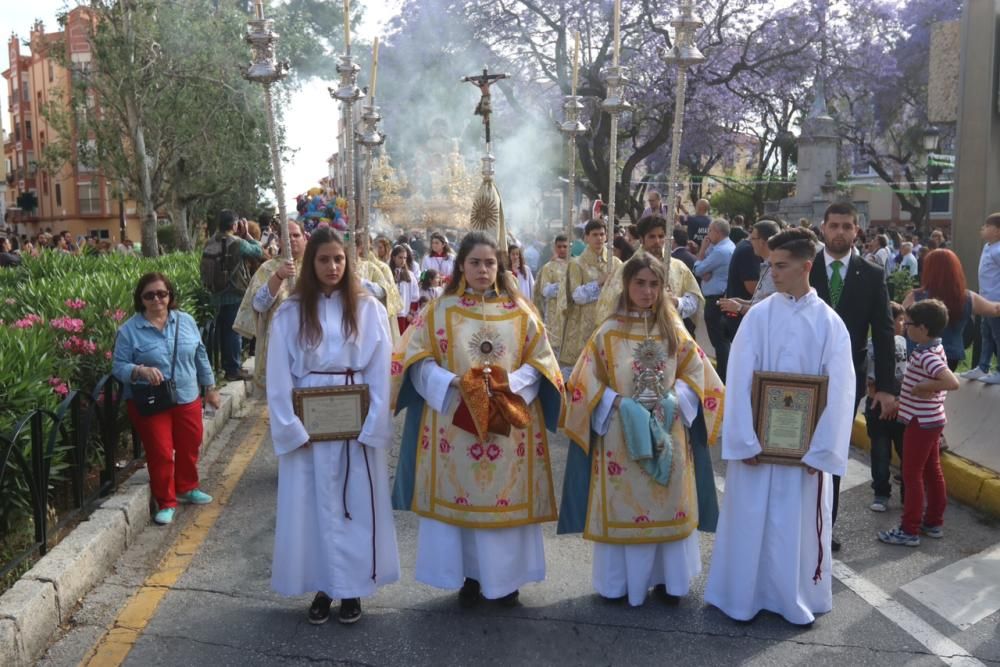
x=892 y=605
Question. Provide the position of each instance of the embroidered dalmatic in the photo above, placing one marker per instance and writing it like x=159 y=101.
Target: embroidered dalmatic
x=554 y=272
x=682 y=282
x=481 y=499
x=251 y=324
x=640 y=508
x=376 y=272
x=580 y=320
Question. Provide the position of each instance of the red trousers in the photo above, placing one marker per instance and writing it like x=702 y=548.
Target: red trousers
x=923 y=478
x=171 y=439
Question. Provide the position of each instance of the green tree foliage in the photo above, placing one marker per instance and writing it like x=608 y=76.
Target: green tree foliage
x=164 y=112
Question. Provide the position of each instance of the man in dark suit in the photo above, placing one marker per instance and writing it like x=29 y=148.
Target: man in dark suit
x=856 y=289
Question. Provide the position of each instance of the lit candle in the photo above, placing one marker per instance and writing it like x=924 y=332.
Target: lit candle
x=371 y=91
x=259 y=9
x=347 y=23
x=618 y=31
x=576 y=59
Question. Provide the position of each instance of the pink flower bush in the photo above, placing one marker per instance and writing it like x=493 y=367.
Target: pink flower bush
x=117 y=314
x=77 y=345
x=76 y=304
x=68 y=324
x=59 y=387
x=9 y=301
x=27 y=321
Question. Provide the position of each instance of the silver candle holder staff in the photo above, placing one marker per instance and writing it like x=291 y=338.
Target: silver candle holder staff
x=684 y=54
x=265 y=70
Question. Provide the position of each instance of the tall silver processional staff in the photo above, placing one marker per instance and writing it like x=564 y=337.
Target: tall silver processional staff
x=571 y=127
x=266 y=71
x=614 y=104
x=487 y=207
x=684 y=54
x=371 y=138
x=348 y=93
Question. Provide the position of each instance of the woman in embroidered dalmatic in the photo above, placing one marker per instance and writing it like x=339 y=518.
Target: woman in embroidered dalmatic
x=630 y=482
x=335 y=531
x=480 y=383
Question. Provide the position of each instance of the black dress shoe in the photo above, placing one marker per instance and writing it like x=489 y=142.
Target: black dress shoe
x=660 y=591
x=834 y=545
x=471 y=593
x=510 y=600
x=350 y=611
x=319 y=612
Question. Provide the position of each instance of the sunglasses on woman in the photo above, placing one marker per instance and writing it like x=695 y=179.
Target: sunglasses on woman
x=154 y=295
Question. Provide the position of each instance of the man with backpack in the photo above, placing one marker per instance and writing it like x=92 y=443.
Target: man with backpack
x=226 y=276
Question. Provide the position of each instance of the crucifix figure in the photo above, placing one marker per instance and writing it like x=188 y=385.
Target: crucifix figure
x=484 y=108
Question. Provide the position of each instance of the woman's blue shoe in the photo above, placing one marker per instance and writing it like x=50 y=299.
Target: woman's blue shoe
x=165 y=516
x=195 y=497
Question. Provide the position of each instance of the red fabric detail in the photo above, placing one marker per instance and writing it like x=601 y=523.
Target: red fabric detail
x=171 y=439
x=818 y=575
x=922 y=477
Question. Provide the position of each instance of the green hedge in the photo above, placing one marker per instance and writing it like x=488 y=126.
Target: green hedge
x=43 y=303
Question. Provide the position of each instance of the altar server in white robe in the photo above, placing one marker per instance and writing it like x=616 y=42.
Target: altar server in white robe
x=772 y=547
x=335 y=534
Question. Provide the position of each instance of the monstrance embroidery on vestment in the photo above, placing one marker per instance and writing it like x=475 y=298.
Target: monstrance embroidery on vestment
x=486 y=346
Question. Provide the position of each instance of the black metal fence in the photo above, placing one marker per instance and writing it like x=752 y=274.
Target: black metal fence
x=56 y=465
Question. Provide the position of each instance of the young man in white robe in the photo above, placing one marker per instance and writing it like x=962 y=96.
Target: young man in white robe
x=772 y=551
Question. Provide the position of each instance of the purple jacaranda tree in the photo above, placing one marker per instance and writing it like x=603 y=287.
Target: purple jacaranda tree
x=878 y=83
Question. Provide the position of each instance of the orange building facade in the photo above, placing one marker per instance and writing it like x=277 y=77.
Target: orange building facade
x=77 y=197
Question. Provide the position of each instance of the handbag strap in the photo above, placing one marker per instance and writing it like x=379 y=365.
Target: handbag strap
x=177 y=334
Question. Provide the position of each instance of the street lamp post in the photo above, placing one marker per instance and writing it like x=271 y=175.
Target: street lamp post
x=683 y=54
x=932 y=137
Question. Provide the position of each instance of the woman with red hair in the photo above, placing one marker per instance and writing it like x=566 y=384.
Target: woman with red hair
x=943 y=278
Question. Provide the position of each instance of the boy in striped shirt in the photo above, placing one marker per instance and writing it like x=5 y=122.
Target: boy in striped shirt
x=921 y=408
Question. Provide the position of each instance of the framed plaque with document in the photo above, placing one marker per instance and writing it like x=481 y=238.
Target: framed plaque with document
x=332 y=413
x=786 y=409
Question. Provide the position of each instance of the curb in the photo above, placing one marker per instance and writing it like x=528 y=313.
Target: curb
x=32 y=610
x=969 y=483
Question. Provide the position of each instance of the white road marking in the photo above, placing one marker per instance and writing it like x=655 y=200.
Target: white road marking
x=943 y=648
x=964 y=592
x=857 y=474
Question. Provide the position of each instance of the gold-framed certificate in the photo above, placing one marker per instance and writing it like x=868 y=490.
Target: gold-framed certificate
x=786 y=409
x=332 y=413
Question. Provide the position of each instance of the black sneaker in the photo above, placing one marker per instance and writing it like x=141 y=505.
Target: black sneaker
x=350 y=611
x=470 y=594
x=510 y=600
x=660 y=591
x=319 y=612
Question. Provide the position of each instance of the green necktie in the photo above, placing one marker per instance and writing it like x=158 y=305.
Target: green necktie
x=836 y=283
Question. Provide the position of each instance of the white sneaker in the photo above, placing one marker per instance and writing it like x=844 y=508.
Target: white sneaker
x=975 y=374
x=993 y=378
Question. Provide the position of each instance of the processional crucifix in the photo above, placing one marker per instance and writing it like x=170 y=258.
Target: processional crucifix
x=487 y=208
x=485 y=107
